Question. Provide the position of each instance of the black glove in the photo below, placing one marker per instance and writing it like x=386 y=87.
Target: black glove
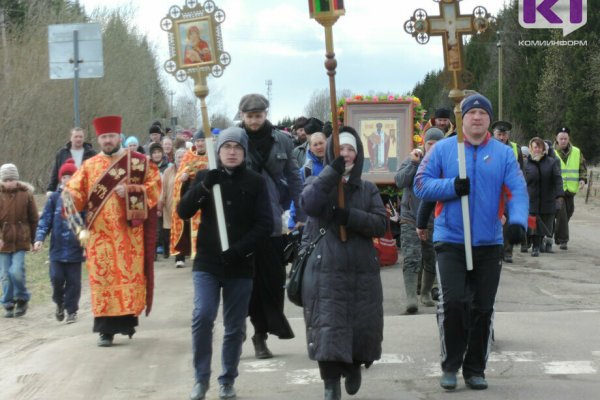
x=559 y=203
x=339 y=165
x=230 y=257
x=341 y=215
x=462 y=187
x=212 y=177
x=515 y=234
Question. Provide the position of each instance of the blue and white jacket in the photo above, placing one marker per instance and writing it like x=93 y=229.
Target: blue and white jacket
x=64 y=246
x=495 y=178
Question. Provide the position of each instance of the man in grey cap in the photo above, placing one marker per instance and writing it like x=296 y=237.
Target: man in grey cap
x=248 y=222
x=417 y=253
x=270 y=154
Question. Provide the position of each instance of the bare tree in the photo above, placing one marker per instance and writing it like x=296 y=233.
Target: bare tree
x=319 y=105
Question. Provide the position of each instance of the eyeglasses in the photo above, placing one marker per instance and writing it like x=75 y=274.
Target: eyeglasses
x=231 y=146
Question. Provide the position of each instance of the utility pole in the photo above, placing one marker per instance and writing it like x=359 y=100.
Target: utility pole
x=171 y=93
x=499 y=46
x=4 y=43
x=269 y=84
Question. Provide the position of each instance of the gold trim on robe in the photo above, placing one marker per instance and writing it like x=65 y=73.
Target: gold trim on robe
x=115 y=251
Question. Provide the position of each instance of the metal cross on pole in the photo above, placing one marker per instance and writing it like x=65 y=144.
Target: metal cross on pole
x=451 y=25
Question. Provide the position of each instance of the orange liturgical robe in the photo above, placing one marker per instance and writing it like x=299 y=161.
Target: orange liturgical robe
x=183 y=235
x=115 y=251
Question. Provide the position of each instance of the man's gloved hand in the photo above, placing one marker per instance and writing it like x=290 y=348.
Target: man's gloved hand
x=211 y=178
x=338 y=165
x=516 y=233
x=341 y=215
x=462 y=187
x=230 y=257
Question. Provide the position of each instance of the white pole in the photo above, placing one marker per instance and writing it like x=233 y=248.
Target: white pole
x=216 y=189
x=464 y=202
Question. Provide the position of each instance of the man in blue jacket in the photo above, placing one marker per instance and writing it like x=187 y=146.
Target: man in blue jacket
x=466 y=305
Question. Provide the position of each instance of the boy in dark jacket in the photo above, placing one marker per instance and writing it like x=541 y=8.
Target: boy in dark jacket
x=18 y=219
x=247 y=222
x=66 y=253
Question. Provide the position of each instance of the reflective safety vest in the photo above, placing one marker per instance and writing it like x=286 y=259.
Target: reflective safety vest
x=515 y=149
x=570 y=170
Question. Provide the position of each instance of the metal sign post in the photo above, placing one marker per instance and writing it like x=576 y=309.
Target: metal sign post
x=196 y=49
x=75 y=51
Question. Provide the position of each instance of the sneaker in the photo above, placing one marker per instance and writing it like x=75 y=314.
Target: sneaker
x=71 y=318
x=105 y=340
x=226 y=391
x=535 y=252
x=60 y=312
x=563 y=246
x=508 y=258
x=21 y=308
x=448 y=380
x=10 y=313
x=199 y=391
x=476 y=383
x=179 y=264
x=548 y=245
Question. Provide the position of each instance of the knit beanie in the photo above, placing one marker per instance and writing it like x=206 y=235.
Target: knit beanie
x=233 y=134
x=9 y=171
x=68 y=168
x=477 y=101
x=155 y=146
x=131 y=140
x=199 y=134
x=433 y=134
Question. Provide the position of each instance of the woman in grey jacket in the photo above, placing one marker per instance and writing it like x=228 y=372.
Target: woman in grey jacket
x=341 y=290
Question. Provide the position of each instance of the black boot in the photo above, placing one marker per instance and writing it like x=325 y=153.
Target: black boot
x=261 y=350
x=353 y=380
x=333 y=389
x=20 y=308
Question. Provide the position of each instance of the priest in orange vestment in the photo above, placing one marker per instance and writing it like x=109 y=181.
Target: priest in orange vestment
x=184 y=232
x=118 y=189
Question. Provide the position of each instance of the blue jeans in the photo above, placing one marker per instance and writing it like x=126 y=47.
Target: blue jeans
x=66 y=284
x=12 y=275
x=236 y=297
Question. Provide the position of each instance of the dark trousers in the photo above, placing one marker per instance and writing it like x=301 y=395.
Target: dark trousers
x=166 y=241
x=561 y=233
x=266 y=304
x=466 y=306
x=335 y=369
x=66 y=284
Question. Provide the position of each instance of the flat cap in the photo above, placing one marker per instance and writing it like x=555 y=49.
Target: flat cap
x=254 y=102
x=502 y=126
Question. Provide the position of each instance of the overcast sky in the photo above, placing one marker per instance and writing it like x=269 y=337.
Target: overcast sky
x=276 y=40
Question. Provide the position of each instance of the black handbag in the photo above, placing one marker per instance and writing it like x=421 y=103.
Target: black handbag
x=294 y=285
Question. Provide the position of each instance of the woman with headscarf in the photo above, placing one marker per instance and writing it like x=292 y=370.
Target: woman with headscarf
x=341 y=289
x=545 y=188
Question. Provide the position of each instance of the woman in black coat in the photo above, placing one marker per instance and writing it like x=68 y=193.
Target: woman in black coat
x=341 y=290
x=545 y=188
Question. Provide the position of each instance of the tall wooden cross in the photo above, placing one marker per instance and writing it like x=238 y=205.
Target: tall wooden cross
x=451 y=25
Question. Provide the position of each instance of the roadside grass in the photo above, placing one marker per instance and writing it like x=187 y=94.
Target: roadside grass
x=37 y=269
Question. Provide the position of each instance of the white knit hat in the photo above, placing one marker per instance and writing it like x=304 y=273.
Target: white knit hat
x=348 y=138
x=9 y=171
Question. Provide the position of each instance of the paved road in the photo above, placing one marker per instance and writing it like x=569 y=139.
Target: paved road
x=547 y=347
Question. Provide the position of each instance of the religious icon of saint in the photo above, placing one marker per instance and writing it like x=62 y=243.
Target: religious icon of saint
x=197 y=50
x=379 y=147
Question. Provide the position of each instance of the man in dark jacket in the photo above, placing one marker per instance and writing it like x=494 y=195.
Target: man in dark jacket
x=417 y=253
x=270 y=154
x=76 y=149
x=248 y=222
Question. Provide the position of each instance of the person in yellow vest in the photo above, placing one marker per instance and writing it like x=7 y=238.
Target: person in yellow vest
x=574 y=174
x=501 y=131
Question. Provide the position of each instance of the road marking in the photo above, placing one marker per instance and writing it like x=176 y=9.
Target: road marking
x=263 y=366
x=395 y=359
x=569 y=367
x=512 y=356
x=303 y=376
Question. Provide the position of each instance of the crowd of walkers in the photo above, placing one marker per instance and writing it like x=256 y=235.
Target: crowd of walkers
x=140 y=202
